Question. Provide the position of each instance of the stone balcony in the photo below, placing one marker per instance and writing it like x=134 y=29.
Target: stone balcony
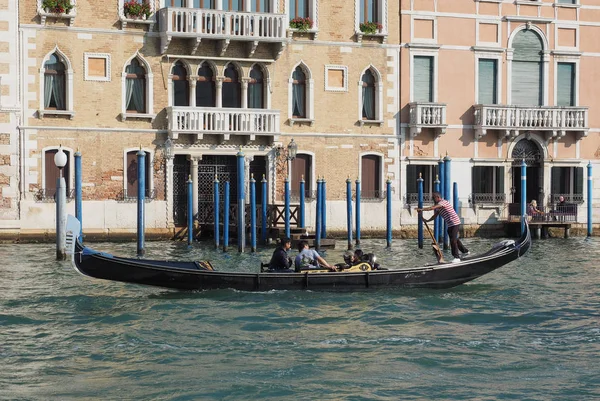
x=554 y=120
x=427 y=115
x=223 y=26
x=199 y=121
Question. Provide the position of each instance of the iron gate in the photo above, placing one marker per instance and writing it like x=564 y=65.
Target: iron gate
x=224 y=168
x=181 y=173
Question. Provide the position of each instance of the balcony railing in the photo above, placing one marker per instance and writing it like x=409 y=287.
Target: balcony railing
x=427 y=115
x=488 y=199
x=225 y=121
x=216 y=24
x=561 y=214
x=413 y=199
x=516 y=118
x=569 y=198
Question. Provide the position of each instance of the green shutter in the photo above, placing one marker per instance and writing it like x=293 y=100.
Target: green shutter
x=411 y=179
x=555 y=177
x=476 y=180
x=578 y=187
x=500 y=180
x=488 y=75
x=567 y=1
x=527 y=75
x=565 y=84
x=423 y=79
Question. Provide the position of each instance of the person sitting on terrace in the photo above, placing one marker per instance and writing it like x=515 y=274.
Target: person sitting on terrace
x=533 y=211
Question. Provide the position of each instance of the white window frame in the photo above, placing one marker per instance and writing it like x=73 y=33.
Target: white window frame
x=414 y=39
x=344 y=70
x=150 y=155
x=570 y=60
x=382 y=17
x=490 y=56
x=567 y=26
x=106 y=57
x=266 y=84
x=310 y=93
x=498 y=34
x=71 y=163
x=378 y=97
x=313 y=14
x=382 y=174
x=151 y=20
x=149 y=91
x=68 y=111
x=434 y=52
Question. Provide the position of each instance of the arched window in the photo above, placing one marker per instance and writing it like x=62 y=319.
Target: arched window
x=368 y=96
x=205 y=88
x=527 y=69
x=231 y=88
x=298 y=93
x=54 y=84
x=135 y=87
x=256 y=89
x=181 y=88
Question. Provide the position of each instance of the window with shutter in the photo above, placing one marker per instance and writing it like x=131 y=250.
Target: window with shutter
x=428 y=173
x=423 y=78
x=488 y=81
x=370 y=177
x=565 y=84
x=527 y=69
x=132 y=175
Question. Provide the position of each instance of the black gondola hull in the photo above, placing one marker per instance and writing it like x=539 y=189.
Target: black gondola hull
x=191 y=276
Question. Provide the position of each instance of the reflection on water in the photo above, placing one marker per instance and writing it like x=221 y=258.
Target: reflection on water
x=530 y=330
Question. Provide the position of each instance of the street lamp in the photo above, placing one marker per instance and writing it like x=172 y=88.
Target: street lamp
x=292 y=149
x=168 y=148
x=60 y=160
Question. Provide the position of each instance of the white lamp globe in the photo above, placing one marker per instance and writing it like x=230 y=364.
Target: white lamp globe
x=60 y=158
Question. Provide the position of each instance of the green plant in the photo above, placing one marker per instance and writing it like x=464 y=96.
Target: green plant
x=370 y=27
x=57 y=6
x=301 y=24
x=133 y=8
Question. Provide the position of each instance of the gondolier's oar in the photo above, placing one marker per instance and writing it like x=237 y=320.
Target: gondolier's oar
x=434 y=245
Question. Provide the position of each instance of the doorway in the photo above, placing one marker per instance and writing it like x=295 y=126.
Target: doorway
x=528 y=150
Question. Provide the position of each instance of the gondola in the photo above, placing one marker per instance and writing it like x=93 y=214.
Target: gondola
x=201 y=275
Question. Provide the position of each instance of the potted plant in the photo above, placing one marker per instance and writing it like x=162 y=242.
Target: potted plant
x=301 y=24
x=370 y=28
x=136 y=10
x=57 y=6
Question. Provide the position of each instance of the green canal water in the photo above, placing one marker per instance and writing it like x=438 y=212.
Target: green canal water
x=529 y=331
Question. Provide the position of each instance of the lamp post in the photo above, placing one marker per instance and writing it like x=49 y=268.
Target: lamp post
x=60 y=160
x=292 y=150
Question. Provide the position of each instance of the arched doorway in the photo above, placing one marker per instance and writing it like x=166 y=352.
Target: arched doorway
x=530 y=151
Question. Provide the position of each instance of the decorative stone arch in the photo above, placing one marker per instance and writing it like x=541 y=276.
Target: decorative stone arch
x=149 y=173
x=191 y=74
x=378 y=96
x=68 y=83
x=267 y=90
x=149 y=89
x=533 y=136
x=71 y=163
x=545 y=59
x=310 y=90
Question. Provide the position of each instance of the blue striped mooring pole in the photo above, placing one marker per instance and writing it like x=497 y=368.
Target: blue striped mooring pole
x=455 y=196
x=420 y=215
x=388 y=210
x=357 y=207
x=286 y=214
x=141 y=199
x=241 y=198
x=447 y=192
x=523 y=195
x=442 y=173
x=318 y=217
x=78 y=193
x=589 y=198
x=252 y=213
x=216 y=211
x=190 y=211
x=323 y=208
x=226 y=202
x=302 y=211
x=263 y=230
x=349 y=211
x=436 y=221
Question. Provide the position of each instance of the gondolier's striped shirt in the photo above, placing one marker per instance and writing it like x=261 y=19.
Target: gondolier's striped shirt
x=448 y=213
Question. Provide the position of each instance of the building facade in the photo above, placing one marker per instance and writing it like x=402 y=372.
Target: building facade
x=369 y=90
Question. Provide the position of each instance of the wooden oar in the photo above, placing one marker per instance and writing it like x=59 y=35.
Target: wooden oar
x=434 y=245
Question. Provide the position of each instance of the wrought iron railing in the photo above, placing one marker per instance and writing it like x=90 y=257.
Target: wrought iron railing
x=308 y=195
x=413 y=199
x=568 y=198
x=561 y=214
x=150 y=195
x=49 y=195
x=487 y=199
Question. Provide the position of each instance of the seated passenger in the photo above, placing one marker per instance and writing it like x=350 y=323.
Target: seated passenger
x=532 y=210
x=309 y=258
x=280 y=260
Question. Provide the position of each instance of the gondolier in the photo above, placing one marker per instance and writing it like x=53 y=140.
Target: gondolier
x=443 y=208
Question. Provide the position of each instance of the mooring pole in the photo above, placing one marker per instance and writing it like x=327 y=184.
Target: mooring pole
x=241 y=197
x=323 y=208
x=349 y=211
x=78 y=193
x=420 y=215
x=60 y=160
x=523 y=195
x=263 y=231
x=388 y=210
x=190 y=211
x=252 y=213
x=455 y=196
x=141 y=199
x=436 y=221
x=589 y=198
x=442 y=173
x=318 y=217
x=216 y=204
x=357 y=206
x=226 y=206
x=302 y=210
x=286 y=207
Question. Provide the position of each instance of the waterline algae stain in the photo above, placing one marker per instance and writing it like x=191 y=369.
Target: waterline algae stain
x=530 y=330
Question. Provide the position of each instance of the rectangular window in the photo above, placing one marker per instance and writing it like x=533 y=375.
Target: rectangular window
x=488 y=185
x=568 y=183
x=299 y=9
x=369 y=11
x=370 y=177
x=131 y=190
x=301 y=170
x=423 y=78
x=565 y=84
x=488 y=81
x=52 y=173
x=567 y=1
x=429 y=175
